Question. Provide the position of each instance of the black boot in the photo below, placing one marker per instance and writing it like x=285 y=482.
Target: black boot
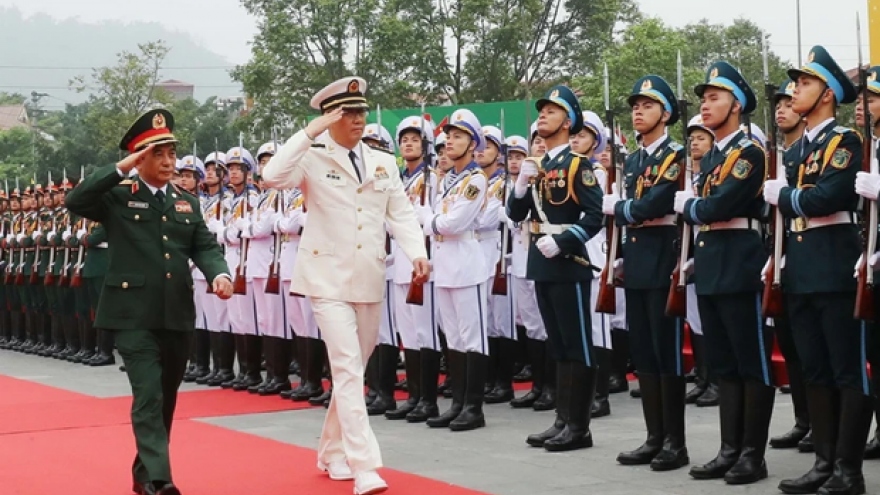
x=581 y=380
x=709 y=398
x=226 y=355
x=601 y=407
x=751 y=466
x=547 y=400
x=384 y=378
x=49 y=344
x=652 y=409
x=267 y=346
x=471 y=416
x=104 y=356
x=701 y=380
x=312 y=367
x=674 y=454
x=536 y=350
x=72 y=334
x=855 y=422
x=823 y=403
x=300 y=356
x=428 y=377
x=413 y=362
x=457 y=369
x=731 y=409
x=254 y=363
x=492 y=364
x=617 y=381
x=201 y=356
x=89 y=339
x=792 y=438
x=503 y=390
x=240 y=346
x=280 y=381
x=57 y=336
x=872 y=449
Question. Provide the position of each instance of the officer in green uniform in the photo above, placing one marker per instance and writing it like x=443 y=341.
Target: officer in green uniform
x=820 y=290
x=728 y=257
x=791 y=125
x=565 y=210
x=651 y=179
x=153 y=230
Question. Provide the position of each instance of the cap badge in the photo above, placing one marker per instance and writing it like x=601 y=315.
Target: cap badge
x=554 y=94
x=714 y=73
x=790 y=87
x=811 y=57
x=353 y=86
x=872 y=76
x=158 y=121
x=646 y=85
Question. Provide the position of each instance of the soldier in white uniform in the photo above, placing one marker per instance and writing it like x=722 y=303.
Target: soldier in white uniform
x=242 y=307
x=460 y=280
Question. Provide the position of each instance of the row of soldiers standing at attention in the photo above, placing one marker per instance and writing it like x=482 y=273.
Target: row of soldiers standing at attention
x=548 y=214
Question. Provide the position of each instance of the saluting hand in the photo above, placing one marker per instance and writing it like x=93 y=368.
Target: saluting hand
x=134 y=159
x=421 y=270
x=317 y=126
x=222 y=286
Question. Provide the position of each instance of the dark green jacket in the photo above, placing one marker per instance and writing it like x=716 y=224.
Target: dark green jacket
x=97 y=258
x=148 y=283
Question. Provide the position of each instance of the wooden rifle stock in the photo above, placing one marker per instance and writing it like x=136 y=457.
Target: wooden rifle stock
x=606 y=301
x=676 y=299
x=864 y=309
x=76 y=279
x=239 y=285
x=772 y=298
x=273 y=283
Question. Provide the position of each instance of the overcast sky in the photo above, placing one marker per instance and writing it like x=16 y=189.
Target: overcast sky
x=225 y=27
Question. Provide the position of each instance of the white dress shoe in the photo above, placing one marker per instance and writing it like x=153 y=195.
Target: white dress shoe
x=369 y=483
x=338 y=470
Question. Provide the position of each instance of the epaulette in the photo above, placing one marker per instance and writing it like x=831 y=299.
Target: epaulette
x=841 y=129
x=125 y=182
x=675 y=146
x=319 y=145
x=746 y=142
x=381 y=149
x=578 y=154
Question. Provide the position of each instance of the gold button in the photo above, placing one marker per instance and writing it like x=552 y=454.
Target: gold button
x=165 y=238
x=800 y=238
x=187 y=220
x=315 y=252
x=702 y=243
x=360 y=227
x=633 y=239
x=124 y=285
x=168 y=275
x=164 y=218
x=167 y=256
x=360 y=209
x=360 y=190
x=137 y=217
x=359 y=246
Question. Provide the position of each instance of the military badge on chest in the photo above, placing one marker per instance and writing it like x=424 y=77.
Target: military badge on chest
x=183 y=207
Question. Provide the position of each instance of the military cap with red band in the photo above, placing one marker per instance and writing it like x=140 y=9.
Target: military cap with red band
x=154 y=127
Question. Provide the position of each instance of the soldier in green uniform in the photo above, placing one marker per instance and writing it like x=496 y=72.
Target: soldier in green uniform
x=820 y=291
x=565 y=210
x=13 y=295
x=5 y=226
x=42 y=299
x=651 y=180
x=47 y=252
x=728 y=256
x=70 y=294
x=94 y=270
x=153 y=230
x=26 y=263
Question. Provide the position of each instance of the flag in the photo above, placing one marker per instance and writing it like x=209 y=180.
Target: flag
x=439 y=129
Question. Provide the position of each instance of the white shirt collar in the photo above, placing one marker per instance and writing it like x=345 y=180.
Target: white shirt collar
x=557 y=150
x=153 y=189
x=811 y=134
x=651 y=148
x=722 y=143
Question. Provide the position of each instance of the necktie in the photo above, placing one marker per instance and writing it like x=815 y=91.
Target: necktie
x=353 y=157
x=160 y=196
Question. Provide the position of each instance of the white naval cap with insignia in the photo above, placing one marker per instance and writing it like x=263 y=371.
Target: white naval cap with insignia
x=416 y=123
x=216 y=157
x=239 y=155
x=267 y=149
x=192 y=163
x=466 y=121
x=492 y=133
x=516 y=143
x=440 y=141
x=347 y=92
x=757 y=134
x=593 y=124
x=380 y=134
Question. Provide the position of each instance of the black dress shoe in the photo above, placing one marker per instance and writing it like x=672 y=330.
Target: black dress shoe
x=806 y=445
x=85 y=358
x=568 y=440
x=235 y=380
x=600 y=408
x=102 y=360
x=208 y=377
x=321 y=399
x=307 y=392
x=808 y=483
x=255 y=389
x=423 y=412
x=747 y=470
x=547 y=400
x=538 y=439
x=524 y=375
x=617 y=383
x=789 y=439
x=248 y=382
x=499 y=395
x=717 y=467
x=670 y=459
x=161 y=489
x=224 y=376
x=275 y=387
x=709 y=397
x=527 y=400
x=695 y=393
x=635 y=393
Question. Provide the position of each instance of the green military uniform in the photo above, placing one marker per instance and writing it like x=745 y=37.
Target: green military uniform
x=93 y=272
x=26 y=264
x=13 y=294
x=43 y=295
x=6 y=334
x=147 y=298
x=823 y=247
x=566 y=204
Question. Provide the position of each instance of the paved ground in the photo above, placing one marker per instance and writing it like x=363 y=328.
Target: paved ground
x=494 y=459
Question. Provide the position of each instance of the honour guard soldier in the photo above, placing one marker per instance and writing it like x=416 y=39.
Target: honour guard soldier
x=94 y=271
x=47 y=297
x=727 y=271
x=461 y=285
x=5 y=225
x=565 y=210
x=13 y=295
x=791 y=125
x=147 y=297
x=651 y=180
x=820 y=292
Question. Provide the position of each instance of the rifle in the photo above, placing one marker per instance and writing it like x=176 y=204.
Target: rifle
x=771 y=302
x=416 y=294
x=64 y=281
x=210 y=289
x=864 y=309
x=34 y=277
x=273 y=283
x=239 y=285
x=606 y=302
x=676 y=300
x=49 y=278
x=499 y=283
x=76 y=279
x=8 y=278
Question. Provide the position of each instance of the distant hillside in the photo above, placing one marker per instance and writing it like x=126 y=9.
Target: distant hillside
x=65 y=46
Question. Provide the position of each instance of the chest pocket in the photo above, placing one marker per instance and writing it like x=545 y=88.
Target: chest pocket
x=382 y=185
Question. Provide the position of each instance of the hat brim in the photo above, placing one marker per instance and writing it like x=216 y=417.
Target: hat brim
x=156 y=140
x=849 y=90
x=673 y=114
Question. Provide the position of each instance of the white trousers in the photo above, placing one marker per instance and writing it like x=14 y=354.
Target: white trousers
x=463 y=317
x=693 y=310
x=199 y=296
x=387 y=324
x=601 y=322
x=299 y=314
x=271 y=312
x=216 y=310
x=350 y=331
x=501 y=315
x=416 y=325
x=527 y=310
x=618 y=319
x=243 y=312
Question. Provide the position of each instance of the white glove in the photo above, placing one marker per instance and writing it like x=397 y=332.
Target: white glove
x=868 y=185
x=10 y=237
x=527 y=170
x=80 y=234
x=772 y=189
x=424 y=214
x=214 y=225
x=502 y=214
x=688 y=267
x=242 y=224
x=681 y=199
x=609 y=201
x=50 y=236
x=19 y=237
x=618 y=268
x=548 y=247
x=65 y=235
x=873 y=260
x=766 y=270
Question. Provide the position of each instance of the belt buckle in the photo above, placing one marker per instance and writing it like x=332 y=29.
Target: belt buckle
x=800 y=224
x=705 y=228
x=534 y=227
x=438 y=238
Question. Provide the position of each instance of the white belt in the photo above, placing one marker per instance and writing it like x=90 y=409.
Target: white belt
x=102 y=245
x=667 y=221
x=734 y=224
x=536 y=227
x=463 y=236
x=840 y=218
x=487 y=235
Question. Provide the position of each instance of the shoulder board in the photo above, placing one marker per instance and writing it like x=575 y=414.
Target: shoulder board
x=746 y=142
x=578 y=154
x=185 y=194
x=675 y=146
x=126 y=182
x=841 y=129
x=319 y=145
x=380 y=150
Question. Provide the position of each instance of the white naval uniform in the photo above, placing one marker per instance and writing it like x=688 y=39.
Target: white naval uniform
x=271 y=308
x=200 y=285
x=460 y=282
x=242 y=307
x=387 y=333
x=341 y=266
x=596 y=245
x=291 y=224
x=501 y=316
x=216 y=309
x=417 y=325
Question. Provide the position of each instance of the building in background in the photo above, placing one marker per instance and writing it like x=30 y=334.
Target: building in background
x=12 y=116
x=179 y=90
